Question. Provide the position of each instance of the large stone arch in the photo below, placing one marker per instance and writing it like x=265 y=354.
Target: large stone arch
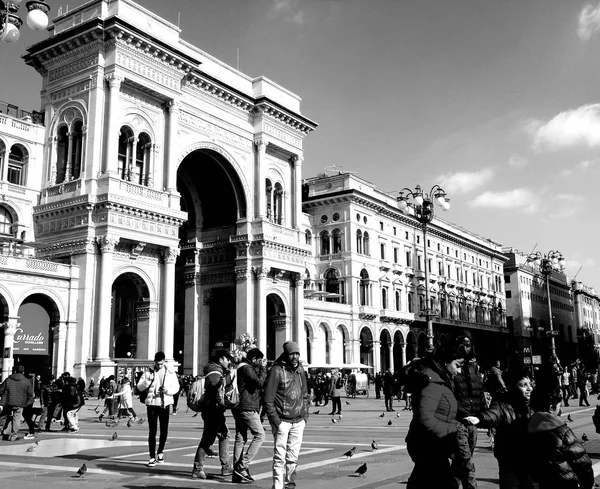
x=385 y=345
x=366 y=338
x=343 y=345
x=123 y=269
x=51 y=294
x=7 y=303
x=310 y=338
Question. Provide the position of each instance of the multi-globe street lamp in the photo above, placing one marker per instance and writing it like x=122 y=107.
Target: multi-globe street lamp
x=10 y=22
x=423 y=204
x=546 y=264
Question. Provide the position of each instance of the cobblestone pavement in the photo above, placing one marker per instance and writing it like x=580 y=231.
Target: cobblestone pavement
x=121 y=463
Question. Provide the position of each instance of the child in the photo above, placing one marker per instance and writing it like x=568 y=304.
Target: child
x=558 y=459
x=72 y=403
x=126 y=396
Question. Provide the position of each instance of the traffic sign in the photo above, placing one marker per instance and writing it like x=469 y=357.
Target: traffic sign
x=537 y=359
x=527 y=360
x=526 y=350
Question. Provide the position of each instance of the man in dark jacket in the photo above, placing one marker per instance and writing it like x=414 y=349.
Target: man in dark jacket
x=213 y=414
x=251 y=377
x=470 y=396
x=16 y=392
x=286 y=402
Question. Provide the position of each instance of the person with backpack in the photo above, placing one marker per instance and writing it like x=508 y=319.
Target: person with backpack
x=286 y=402
x=161 y=385
x=216 y=378
x=251 y=377
x=16 y=392
x=72 y=401
x=335 y=391
x=110 y=403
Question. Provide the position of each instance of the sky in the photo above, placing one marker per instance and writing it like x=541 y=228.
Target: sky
x=496 y=101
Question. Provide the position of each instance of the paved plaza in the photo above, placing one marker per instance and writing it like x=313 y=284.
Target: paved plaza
x=121 y=463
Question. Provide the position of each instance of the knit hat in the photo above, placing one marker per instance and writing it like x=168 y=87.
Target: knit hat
x=125 y=380
x=254 y=353
x=290 y=347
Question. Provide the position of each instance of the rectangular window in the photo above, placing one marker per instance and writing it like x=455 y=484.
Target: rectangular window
x=394 y=230
x=411 y=307
x=447 y=250
x=408 y=260
x=15 y=174
x=418 y=239
x=449 y=274
x=395 y=255
x=380 y=226
x=440 y=268
x=419 y=264
x=382 y=248
x=406 y=234
x=506 y=279
x=508 y=294
x=429 y=265
x=439 y=247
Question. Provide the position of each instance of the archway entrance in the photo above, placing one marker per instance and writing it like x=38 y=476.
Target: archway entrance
x=366 y=347
x=277 y=321
x=129 y=331
x=398 y=344
x=205 y=282
x=411 y=346
x=385 y=342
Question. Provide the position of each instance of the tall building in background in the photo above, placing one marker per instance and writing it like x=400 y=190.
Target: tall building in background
x=586 y=302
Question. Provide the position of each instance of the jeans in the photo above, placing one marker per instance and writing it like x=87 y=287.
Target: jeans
x=566 y=393
x=214 y=427
x=287 y=438
x=12 y=415
x=388 y=402
x=157 y=414
x=336 y=405
x=244 y=421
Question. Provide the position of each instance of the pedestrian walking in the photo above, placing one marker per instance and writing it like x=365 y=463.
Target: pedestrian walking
x=110 y=403
x=468 y=390
x=16 y=392
x=216 y=373
x=251 y=377
x=72 y=401
x=336 y=387
x=389 y=387
x=287 y=403
x=564 y=386
x=47 y=390
x=161 y=384
x=431 y=435
x=582 y=380
x=125 y=396
x=176 y=396
x=378 y=384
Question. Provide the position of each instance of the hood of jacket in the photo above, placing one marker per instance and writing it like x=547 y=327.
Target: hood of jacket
x=212 y=367
x=284 y=361
x=542 y=421
x=18 y=377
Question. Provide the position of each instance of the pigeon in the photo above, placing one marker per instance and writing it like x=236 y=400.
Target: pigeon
x=382 y=415
x=317 y=411
x=584 y=437
x=569 y=418
x=397 y=415
x=33 y=447
x=333 y=420
x=374 y=445
x=361 y=470
x=128 y=423
x=339 y=416
x=349 y=453
x=195 y=415
x=347 y=403
x=114 y=437
x=111 y=423
x=390 y=422
x=140 y=421
x=82 y=470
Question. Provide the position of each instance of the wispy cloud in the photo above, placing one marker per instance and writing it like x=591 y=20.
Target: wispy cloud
x=518 y=161
x=463 y=182
x=589 y=22
x=565 y=205
x=288 y=11
x=519 y=198
x=576 y=127
x=581 y=167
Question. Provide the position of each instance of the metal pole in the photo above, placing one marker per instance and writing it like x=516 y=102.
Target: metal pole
x=429 y=347
x=548 y=272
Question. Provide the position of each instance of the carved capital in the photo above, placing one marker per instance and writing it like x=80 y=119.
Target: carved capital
x=10 y=328
x=261 y=144
x=114 y=80
x=243 y=273
x=261 y=272
x=173 y=106
x=297 y=280
x=107 y=244
x=297 y=160
x=170 y=254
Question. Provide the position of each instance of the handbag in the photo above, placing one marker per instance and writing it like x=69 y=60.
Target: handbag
x=144 y=394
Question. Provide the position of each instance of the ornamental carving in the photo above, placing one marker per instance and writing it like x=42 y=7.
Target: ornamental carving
x=261 y=272
x=243 y=273
x=10 y=328
x=72 y=68
x=214 y=130
x=170 y=254
x=69 y=92
x=107 y=244
x=141 y=68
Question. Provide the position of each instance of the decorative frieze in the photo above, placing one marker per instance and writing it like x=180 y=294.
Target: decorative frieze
x=73 y=67
x=282 y=135
x=143 y=68
x=69 y=92
x=215 y=131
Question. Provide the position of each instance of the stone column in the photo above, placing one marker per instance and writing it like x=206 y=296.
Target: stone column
x=299 y=333
x=191 y=328
x=261 y=308
x=173 y=108
x=244 y=313
x=129 y=155
x=69 y=165
x=83 y=150
x=51 y=160
x=297 y=200
x=151 y=163
x=60 y=344
x=10 y=328
x=168 y=312
x=112 y=116
x=107 y=246
x=355 y=348
x=392 y=360
x=403 y=350
x=376 y=356
x=261 y=176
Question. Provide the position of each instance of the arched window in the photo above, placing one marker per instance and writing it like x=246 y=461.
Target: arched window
x=125 y=156
x=17 y=165
x=359 y=242
x=384 y=298
x=142 y=160
x=366 y=245
x=269 y=198
x=75 y=149
x=332 y=285
x=325 y=243
x=278 y=204
x=337 y=241
x=308 y=237
x=6 y=222
x=411 y=302
x=62 y=148
x=364 y=288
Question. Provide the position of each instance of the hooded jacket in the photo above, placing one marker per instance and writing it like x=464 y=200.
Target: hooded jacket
x=558 y=459
x=250 y=381
x=468 y=390
x=153 y=381
x=286 y=393
x=16 y=391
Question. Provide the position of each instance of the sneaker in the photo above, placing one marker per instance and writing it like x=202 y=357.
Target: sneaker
x=151 y=462
x=238 y=479
x=74 y=430
x=160 y=458
x=198 y=474
x=30 y=436
x=100 y=417
x=226 y=470
x=241 y=476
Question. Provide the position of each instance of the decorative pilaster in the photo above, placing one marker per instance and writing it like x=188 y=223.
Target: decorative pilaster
x=261 y=177
x=298 y=331
x=297 y=200
x=110 y=158
x=403 y=350
x=10 y=328
x=168 y=314
x=261 y=274
x=376 y=356
x=107 y=246
x=59 y=334
x=173 y=108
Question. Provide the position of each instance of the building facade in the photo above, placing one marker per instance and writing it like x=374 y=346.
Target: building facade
x=586 y=302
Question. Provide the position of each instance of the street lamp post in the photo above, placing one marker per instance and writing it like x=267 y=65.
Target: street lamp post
x=423 y=205
x=547 y=263
x=10 y=22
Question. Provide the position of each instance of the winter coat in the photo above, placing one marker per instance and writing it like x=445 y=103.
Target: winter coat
x=250 y=382
x=558 y=459
x=16 y=391
x=433 y=425
x=468 y=390
x=389 y=384
x=48 y=394
x=212 y=383
x=335 y=391
x=510 y=442
x=125 y=396
x=286 y=393
x=71 y=396
x=153 y=381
